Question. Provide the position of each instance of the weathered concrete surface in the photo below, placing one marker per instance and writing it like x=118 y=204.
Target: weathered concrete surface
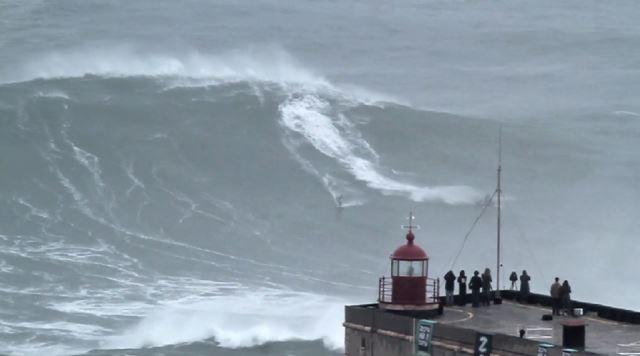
x=602 y=336
x=359 y=343
x=371 y=331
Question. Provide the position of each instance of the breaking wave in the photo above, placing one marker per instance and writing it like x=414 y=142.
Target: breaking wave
x=242 y=320
x=312 y=107
x=335 y=136
x=269 y=65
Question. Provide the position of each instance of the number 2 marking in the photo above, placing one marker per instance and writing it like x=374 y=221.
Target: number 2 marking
x=482 y=348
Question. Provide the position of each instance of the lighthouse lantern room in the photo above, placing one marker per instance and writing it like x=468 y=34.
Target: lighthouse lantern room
x=409 y=287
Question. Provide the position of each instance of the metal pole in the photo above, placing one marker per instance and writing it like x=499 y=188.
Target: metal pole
x=499 y=191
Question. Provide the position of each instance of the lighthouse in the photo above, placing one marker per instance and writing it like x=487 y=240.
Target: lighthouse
x=409 y=287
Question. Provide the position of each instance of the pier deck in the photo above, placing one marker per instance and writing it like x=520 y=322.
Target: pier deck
x=601 y=335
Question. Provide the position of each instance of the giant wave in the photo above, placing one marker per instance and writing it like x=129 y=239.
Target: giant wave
x=152 y=190
x=245 y=197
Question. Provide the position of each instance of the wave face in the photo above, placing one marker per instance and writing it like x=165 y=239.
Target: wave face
x=156 y=199
x=140 y=199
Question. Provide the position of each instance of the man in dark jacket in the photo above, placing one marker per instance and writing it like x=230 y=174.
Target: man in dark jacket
x=449 y=280
x=486 y=287
x=475 y=285
x=524 y=287
x=513 y=278
x=462 y=289
x=565 y=297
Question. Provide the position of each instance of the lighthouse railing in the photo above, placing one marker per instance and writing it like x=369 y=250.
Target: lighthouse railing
x=385 y=288
x=432 y=290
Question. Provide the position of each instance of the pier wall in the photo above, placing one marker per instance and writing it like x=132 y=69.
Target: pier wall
x=371 y=331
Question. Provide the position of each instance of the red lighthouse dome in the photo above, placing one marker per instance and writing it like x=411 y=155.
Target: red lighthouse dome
x=409 y=251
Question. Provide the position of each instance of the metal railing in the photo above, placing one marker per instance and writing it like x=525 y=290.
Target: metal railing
x=432 y=292
x=384 y=290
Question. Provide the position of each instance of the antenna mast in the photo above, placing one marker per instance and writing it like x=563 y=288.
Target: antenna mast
x=411 y=227
x=499 y=192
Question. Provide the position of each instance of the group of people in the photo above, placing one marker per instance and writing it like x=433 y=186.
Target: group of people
x=561 y=297
x=524 y=285
x=480 y=286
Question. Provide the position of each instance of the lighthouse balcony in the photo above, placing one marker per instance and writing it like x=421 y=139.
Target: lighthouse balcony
x=403 y=293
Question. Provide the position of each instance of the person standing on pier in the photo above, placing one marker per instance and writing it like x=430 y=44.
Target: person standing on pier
x=486 y=287
x=462 y=289
x=524 y=287
x=513 y=278
x=565 y=294
x=555 y=297
x=450 y=280
x=475 y=285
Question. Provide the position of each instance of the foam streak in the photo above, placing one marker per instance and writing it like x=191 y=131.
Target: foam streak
x=308 y=116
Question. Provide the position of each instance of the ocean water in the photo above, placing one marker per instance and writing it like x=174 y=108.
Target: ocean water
x=221 y=178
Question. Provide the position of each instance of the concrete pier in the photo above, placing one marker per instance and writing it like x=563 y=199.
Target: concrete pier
x=371 y=331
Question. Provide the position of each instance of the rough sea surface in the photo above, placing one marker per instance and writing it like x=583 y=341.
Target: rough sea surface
x=221 y=177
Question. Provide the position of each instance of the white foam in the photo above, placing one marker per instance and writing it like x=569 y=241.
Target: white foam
x=55 y=94
x=78 y=197
x=103 y=308
x=310 y=117
x=111 y=303
x=84 y=331
x=136 y=182
x=194 y=208
x=243 y=320
x=89 y=161
x=90 y=334
x=39 y=349
x=6 y=268
x=34 y=210
x=626 y=113
x=305 y=115
x=267 y=64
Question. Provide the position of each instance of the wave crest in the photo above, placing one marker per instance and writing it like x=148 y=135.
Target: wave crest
x=265 y=64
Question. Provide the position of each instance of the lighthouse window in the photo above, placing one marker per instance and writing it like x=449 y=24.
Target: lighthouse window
x=409 y=268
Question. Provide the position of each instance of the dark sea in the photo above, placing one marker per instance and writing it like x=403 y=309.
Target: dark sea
x=221 y=177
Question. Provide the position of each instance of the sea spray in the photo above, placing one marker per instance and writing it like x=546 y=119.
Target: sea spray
x=240 y=320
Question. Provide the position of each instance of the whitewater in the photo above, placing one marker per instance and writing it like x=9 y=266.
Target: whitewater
x=188 y=180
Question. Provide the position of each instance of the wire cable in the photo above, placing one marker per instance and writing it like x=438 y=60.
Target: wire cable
x=523 y=237
x=466 y=237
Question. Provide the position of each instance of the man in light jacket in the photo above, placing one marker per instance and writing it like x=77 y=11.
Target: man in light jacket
x=555 y=296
